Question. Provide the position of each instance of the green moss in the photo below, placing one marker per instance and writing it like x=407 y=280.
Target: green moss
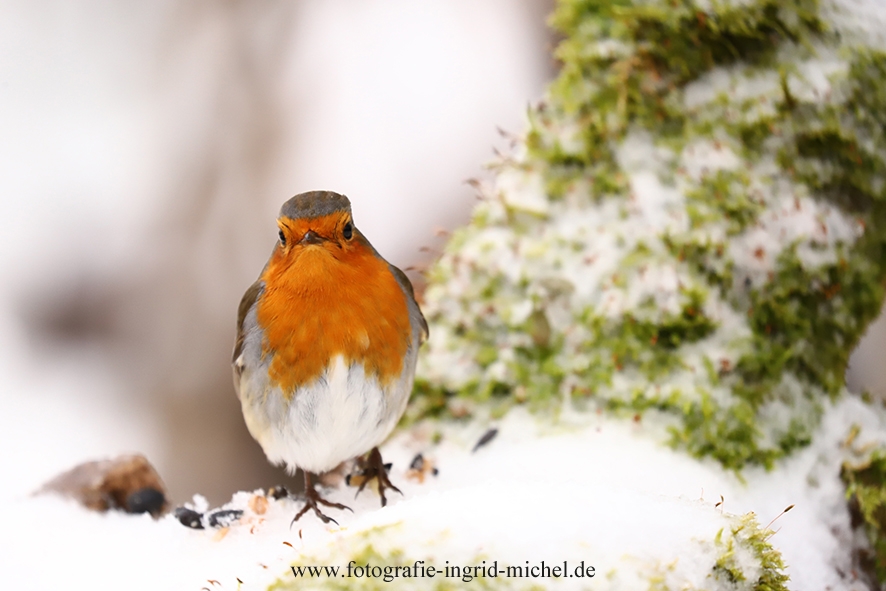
x=795 y=308
x=747 y=536
x=705 y=257
x=724 y=195
x=866 y=493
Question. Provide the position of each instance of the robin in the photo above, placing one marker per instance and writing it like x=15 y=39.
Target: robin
x=327 y=341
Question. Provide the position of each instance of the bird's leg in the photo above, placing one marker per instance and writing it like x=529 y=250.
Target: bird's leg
x=373 y=467
x=313 y=499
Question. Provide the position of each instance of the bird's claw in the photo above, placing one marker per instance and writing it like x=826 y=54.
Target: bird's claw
x=374 y=468
x=313 y=500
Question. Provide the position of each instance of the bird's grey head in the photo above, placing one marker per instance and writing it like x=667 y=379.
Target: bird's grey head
x=314 y=204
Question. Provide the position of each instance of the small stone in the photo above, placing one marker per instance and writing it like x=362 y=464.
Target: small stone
x=145 y=500
x=126 y=483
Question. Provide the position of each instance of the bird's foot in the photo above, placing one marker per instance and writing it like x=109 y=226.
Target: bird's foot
x=313 y=500
x=372 y=467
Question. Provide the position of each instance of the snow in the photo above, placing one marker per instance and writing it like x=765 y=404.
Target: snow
x=857 y=20
x=737 y=82
x=586 y=487
x=523 y=190
x=705 y=157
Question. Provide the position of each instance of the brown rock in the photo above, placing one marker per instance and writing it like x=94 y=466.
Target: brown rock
x=126 y=483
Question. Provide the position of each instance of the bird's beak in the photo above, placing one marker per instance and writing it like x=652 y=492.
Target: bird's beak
x=311 y=237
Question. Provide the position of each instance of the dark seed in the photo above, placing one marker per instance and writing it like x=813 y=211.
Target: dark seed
x=189 y=517
x=487 y=437
x=418 y=462
x=278 y=492
x=224 y=518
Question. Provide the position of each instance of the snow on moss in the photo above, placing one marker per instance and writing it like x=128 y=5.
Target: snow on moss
x=693 y=223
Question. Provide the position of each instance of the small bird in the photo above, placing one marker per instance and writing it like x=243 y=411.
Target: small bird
x=327 y=342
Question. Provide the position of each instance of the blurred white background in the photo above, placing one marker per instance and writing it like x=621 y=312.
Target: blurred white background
x=145 y=148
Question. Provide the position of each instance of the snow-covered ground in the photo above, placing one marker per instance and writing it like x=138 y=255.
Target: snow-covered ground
x=583 y=488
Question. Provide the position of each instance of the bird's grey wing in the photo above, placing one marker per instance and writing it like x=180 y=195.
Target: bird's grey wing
x=246 y=304
x=416 y=318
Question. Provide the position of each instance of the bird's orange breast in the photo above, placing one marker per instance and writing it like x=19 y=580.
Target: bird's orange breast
x=316 y=306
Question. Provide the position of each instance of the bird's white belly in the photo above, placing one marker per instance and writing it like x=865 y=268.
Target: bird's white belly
x=339 y=416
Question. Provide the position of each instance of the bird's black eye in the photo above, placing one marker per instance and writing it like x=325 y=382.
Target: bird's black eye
x=348 y=231
x=282 y=238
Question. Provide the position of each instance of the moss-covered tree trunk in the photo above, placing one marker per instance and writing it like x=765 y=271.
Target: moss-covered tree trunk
x=694 y=223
